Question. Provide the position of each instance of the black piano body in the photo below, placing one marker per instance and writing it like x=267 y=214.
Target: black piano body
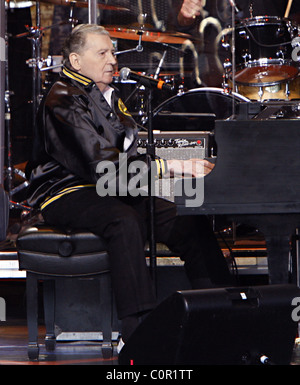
x=256 y=181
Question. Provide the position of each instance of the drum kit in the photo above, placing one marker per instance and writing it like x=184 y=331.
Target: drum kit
x=263 y=66
x=266 y=63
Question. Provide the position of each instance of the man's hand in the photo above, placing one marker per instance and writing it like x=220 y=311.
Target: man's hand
x=190 y=9
x=195 y=168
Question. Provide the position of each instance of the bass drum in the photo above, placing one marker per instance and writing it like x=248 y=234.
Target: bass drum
x=196 y=110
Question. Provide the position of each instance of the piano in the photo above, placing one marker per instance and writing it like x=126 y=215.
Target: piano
x=255 y=181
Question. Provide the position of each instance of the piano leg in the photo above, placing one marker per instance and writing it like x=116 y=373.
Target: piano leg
x=297 y=255
x=277 y=229
x=278 y=251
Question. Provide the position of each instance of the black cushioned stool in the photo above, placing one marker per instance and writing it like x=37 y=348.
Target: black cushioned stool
x=47 y=253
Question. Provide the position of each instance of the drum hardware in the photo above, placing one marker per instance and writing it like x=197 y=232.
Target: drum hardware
x=10 y=169
x=265 y=70
x=53 y=63
x=277 y=90
x=148 y=35
x=142 y=112
x=139 y=90
x=35 y=63
x=262 y=44
x=158 y=69
x=138 y=48
x=288 y=8
x=251 y=10
x=34 y=34
x=296 y=48
x=139 y=34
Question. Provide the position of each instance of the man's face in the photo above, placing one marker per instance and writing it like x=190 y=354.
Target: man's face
x=97 y=60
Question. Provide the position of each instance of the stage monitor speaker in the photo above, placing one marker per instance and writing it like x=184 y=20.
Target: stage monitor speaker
x=225 y=326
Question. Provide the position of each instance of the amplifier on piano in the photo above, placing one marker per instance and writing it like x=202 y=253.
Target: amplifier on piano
x=179 y=144
x=176 y=145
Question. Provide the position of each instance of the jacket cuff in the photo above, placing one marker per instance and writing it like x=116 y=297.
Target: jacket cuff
x=162 y=167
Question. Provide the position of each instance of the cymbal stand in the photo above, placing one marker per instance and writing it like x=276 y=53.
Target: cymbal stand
x=143 y=115
x=234 y=10
x=140 y=32
x=35 y=35
x=36 y=63
x=138 y=48
x=40 y=62
x=138 y=88
x=143 y=98
x=71 y=19
x=10 y=170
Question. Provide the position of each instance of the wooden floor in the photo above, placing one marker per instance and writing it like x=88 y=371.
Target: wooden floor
x=13 y=350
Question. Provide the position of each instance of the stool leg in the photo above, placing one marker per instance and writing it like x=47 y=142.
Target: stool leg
x=49 y=313
x=106 y=309
x=32 y=315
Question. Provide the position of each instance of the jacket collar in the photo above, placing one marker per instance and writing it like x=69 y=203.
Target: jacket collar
x=76 y=76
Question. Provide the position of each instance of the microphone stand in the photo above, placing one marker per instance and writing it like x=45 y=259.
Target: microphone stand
x=150 y=150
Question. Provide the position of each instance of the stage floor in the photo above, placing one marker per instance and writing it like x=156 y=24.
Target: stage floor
x=13 y=350
x=249 y=252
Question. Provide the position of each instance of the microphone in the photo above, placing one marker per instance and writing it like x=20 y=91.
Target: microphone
x=147 y=81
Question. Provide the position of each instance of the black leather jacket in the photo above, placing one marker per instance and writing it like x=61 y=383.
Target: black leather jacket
x=76 y=129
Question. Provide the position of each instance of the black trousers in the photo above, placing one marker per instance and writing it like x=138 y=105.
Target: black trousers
x=123 y=222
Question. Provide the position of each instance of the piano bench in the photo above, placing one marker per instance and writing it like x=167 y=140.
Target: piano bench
x=48 y=254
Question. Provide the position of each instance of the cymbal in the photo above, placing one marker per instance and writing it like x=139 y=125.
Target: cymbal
x=148 y=36
x=85 y=4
